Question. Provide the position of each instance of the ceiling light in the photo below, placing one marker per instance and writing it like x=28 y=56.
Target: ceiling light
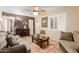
x=35 y=13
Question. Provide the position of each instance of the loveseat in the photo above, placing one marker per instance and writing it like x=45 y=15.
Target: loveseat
x=70 y=42
x=5 y=47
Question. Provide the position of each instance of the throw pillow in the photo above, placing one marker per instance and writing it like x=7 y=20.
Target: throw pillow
x=76 y=36
x=66 y=36
x=11 y=40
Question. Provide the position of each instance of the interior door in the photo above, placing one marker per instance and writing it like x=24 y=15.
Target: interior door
x=31 y=26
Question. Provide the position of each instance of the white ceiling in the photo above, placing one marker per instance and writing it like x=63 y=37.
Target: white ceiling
x=22 y=10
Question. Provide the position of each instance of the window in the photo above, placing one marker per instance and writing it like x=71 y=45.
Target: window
x=58 y=22
x=53 y=23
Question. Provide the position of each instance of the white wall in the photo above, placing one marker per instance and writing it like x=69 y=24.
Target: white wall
x=31 y=26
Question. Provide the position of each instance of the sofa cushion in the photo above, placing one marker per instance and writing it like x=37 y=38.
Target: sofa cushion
x=70 y=46
x=2 y=33
x=14 y=49
x=76 y=36
x=11 y=40
x=24 y=40
x=3 y=42
x=20 y=40
x=66 y=36
x=16 y=37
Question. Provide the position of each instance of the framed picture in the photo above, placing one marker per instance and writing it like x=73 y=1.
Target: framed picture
x=45 y=22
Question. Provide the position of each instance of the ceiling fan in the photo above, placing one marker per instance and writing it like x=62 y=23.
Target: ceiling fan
x=37 y=10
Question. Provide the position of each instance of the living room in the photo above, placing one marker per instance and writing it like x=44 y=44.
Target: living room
x=50 y=24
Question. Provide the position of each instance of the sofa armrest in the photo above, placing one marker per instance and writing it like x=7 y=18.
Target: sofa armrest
x=14 y=49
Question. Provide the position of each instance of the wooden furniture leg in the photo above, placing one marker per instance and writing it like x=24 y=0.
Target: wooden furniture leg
x=32 y=38
x=48 y=41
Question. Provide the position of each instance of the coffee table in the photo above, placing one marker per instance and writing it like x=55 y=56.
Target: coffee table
x=40 y=40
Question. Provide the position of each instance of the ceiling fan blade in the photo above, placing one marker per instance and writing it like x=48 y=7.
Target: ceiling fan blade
x=42 y=10
x=39 y=10
x=36 y=8
x=29 y=10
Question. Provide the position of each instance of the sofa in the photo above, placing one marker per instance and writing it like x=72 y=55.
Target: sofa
x=17 y=46
x=70 y=42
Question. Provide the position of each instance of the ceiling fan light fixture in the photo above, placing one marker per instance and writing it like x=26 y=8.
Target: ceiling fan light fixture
x=36 y=8
x=35 y=13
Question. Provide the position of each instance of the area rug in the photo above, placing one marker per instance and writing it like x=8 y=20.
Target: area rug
x=52 y=48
